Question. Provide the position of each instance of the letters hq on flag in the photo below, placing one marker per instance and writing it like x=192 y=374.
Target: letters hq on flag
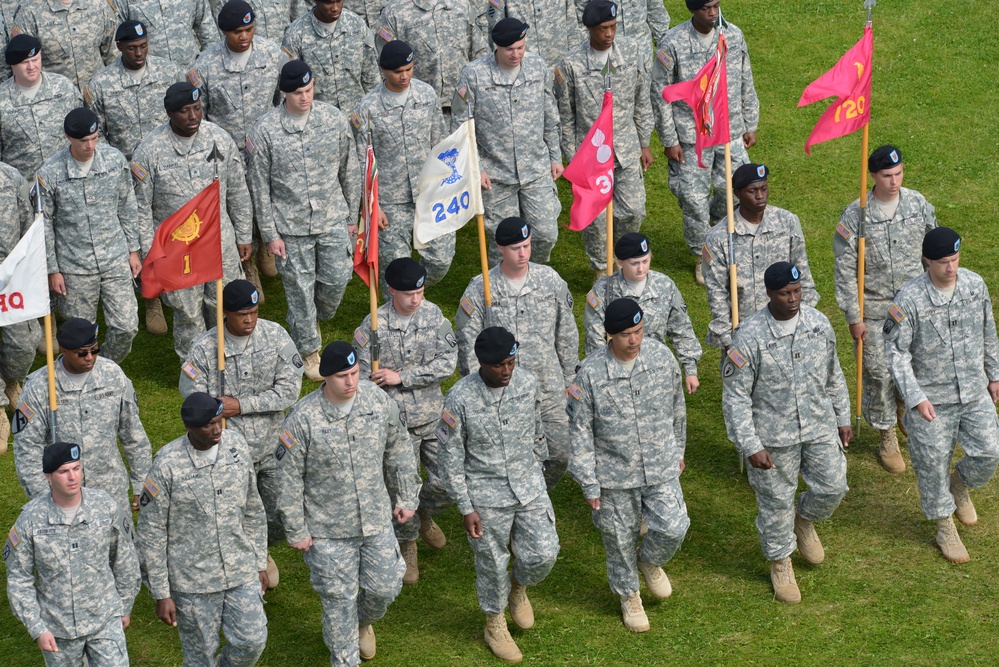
x=450 y=191
x=591 y=170
x=366 y=249
x=24 y=280
x=187 y=248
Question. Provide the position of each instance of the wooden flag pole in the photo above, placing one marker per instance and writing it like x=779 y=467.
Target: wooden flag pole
x=610 y=237
x=487 y=292
x=733 y=274
x=861 y=264
x=220 y=336
x=49 y=356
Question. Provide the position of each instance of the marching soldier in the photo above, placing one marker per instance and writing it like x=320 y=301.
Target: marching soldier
x=556 y=24
x=640 y=21
x=178 y=29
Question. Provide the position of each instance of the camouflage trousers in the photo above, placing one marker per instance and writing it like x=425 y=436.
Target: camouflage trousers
x=113 y=288
x=530 y=531
x=357 y=578
x=878 y=401
x=194 y=306
x=692 y=187
x=537 y=203
x=104 y=648
x=931 y=447
x=619 y=521
x=823 y=467
x=397 y=241
x=433 y=495
x=315 y=276
x=268 y=486
x=629 y=213
x=556 y=422
x=17 y=352
x=238 y=612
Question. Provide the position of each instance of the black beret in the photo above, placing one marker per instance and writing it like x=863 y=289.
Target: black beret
x=749 y=173
x=884 y=157
x=239 y=295
x=632 y=244
x=780 y=274
x=622 y=314
x=395 y=54
x=129 y=31
x=235 y=14
x=80 y=123
x=199 y=409
x=599 y=11
x=21 y=47
x=77 y=332
x=294 y=75
x=694 y=5
x=59 y=454
x=179 y=95
x=405 y=274
x=512 y=230
x=508 y=31
x=941 y=242
x=338 y=356
x=494 y=345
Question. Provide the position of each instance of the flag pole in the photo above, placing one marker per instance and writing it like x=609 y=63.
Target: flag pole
x=610 y=204
x=213 y=157
x=372 y=274
x=487 y=292
x=862 y=245
x=49 y=356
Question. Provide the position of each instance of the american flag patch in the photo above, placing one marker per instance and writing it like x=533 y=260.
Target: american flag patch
x=449 y=419
x=559 y=76
x=287 y=439
x=193 y=77
x=843 y=231
x=26 y=411
x=189 y=370
x=386 y=35
x=896 y=313
x=355 y=120
x=13 y=537
x=150 y=486
x=138 y=171
x=361 y=339
x=249 y=145
x=592 y=299
x=737 y=358
x=467 y=306
x=664 y=58
x=575 y=391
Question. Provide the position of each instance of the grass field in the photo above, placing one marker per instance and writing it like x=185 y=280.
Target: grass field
x=884 y=596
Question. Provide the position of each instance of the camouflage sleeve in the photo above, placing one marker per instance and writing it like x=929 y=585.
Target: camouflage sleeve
x=370 y=74
x=463 y=95
x=402 y=477
x=836 y=387
x=593 y=320
x=142 y=181
x=468 y=322
x=929 y=215
x=658 y=19
x=582 y=453
x=664 y=73
x=750 y=101
x=198 y=76
x=551 y=121
x=258 y=177
x=645 y=120
x=291 y=457
x=350 y=173
x=196 y=371
x=438 y=126
x=738 y=382
x=990 y=341
x=451 y=437
x=204 y=24
x=441 y=367
x=237 y=195
x=19 y=555
x=565 y=96
x=357 y=123
x=714 y=265
x=566 y=334
x=898 y=330
x=111 y=20
x=845 y=264
x=284 y=388
x=32 y=416
x=50 y=208
x=362 y=343
x=154 y=514
x=128 y=212
x=681 y=334
x=124 y=560
x=93 y=99
x=25 y=211
x=540 y=441
x=133 y=438
x=799 y=257
x=679 y=411
x=254 y=516
x=478 y=37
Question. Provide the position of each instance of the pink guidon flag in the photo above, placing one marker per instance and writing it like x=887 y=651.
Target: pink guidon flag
x=591 y=170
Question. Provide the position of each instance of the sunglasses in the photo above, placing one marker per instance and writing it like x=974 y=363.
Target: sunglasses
x=83 y=354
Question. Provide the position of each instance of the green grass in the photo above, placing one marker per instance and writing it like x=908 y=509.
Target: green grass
x=884 y=595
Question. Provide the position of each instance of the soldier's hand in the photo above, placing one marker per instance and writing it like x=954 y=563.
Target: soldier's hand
x=646 y=158
x=135 y=503
x=557 y=170
x=230 y=406
x=302 y=546
x=486 y=183
x=749 y=139
x=401 y=515
x=692 y=383
x=385 y=377
x=245 y=250
x=994 y=391
x=845 y=436
x=166 y=611
x=46 y=642
x=57 y=284
x=926 y=411
x=352 y=232
x=265 y=581
x=683 y=466
x=594 y=504
x=473 y=525
x=277 y=248
x=125 y=621
x=858 y=331
x=761 y=460
x=382 y=219
x=674 y=153
x=134 y=263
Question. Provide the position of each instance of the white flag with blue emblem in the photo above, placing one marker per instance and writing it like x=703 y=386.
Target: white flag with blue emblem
x=24 y=280
x=450 y=191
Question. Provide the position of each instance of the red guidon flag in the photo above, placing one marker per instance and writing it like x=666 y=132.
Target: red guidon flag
x=849 y=81
x=366 y=249
x=591 y=170
x=187 y=248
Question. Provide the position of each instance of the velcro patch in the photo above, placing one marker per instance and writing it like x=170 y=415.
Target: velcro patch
x=13 y=537
x=706 y=254
x=896 y=313
x=467 y=306
x=385 y=34
x=449 y=419
x=189 y=370
x=559 y=76
x=138 y=171
x=843 y=231
x=280 y=452
x=150 y=486
x=355 y=120
x=194 y=78
x=737 y=358
x=361 y=339
x=249 y=145
x=664 y=59
x=287 y=439
x=592 y=300
x=443 y=434
x=26 y=411
x=575 y=392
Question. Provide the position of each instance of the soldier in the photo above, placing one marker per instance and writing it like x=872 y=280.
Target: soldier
x=629 y=422
x=492 y=446
x=41 y=99
x=97 y=408
x=368 y=10
x=305 y=217
x=72 y=570
x=263 y=378
x=77 y=38
x=173 y=163
x=341 y=48
x=518 y=171
x=943 y=354
x=178 y=29
x=272 y=17
x=764 y=235
x=682 y=53
x=895 y=222
x=417 y=351
x=91 y=231
x=579 y=89
x=213 y=581
x=556 y=24
x=534 y=302
x=641 y=21
x=664 y=312
x=405 y=121
x=348 y=469
x=784 y=400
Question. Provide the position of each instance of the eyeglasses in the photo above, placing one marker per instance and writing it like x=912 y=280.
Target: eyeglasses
x=83 y=354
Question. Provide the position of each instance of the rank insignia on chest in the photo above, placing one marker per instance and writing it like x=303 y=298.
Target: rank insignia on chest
x=559 y=76
x=467 y=306
x=737 y=358
x=843 y=231
x=706 y=254
x=592 y=300
x=189 y=370
x=361 y=339
x=287 y=439
x=664 y=59
x=449 y=419
x=575 y=392
x=138 y=171
x=896 y=313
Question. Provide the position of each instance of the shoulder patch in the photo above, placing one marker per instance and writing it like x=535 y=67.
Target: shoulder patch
x=249 y=145
x=496 y=3
x=664 y=59
x=20 y=418
x=287 y=439
x=467 y=306
x=843 y=231
x=355 y=120
x=13 y=537
x=888 y=326
x=575 y=392
x=559 y=76
x=896 y=313
x=591 y=299
x=87 y=96
x=289 y=53
x=706 y=254
x=194 y=78
x=737 y=358
x=189 y=370
x=449 y=419
x=728 y=369
x=462 y=92
x=25 y=410
x=151 y=486
x=138 y=171
x=361 y=339
x=296 y=360
x=386 y=34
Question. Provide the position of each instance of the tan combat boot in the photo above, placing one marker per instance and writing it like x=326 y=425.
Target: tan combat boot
x=366 y=641
x=699 y=273
x=782 y=579
x=655 y=579
x=809 y=544
x=499 y=641
x=888 y=452
x=965 y=511
x=430 y=532
x=900 y=411
x=273 y=575
x=412 y=575
x=633 y=613
x=265 y=262
x=950 y=542
x=250 y=270
x=311 y=362
x=4 y=432
x=520 y=606
x=155 y=321
x=12 y=390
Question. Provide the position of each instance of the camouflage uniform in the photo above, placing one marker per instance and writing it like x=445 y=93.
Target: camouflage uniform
x=680 y=56
x=128 y=109
x=641 y=21
x=893 y=257
x=945 y=352
x=492 y=449
x=31 y=129
x=91 y=227
x=203 y=534
x=541 y=319
x=266 y=378
x=166 y=176
x=271 y=17
x=368 y=10
x=664 y=315
x=77 y=39
x=554 y=24
x=403 y=135
x=510 y=118
x=424 y=353
x=579 y=88
x=778 y=238
x=75 y=580
x=342 y=475
x=629 y=433
x=98 y=416
x=177 y=29
x=344 y=60
x=789 y=389
x=298 y=200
